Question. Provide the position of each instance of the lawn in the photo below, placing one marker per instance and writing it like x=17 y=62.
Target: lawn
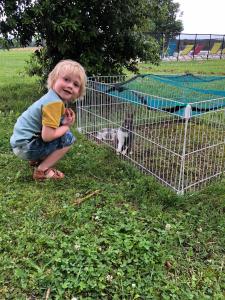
x=107 y=231
x=209 y=67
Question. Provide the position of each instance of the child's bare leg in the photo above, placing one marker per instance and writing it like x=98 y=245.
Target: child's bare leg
x=53 y=158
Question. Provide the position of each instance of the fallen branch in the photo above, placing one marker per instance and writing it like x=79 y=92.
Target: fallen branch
x=47 y=294
x=82 y=199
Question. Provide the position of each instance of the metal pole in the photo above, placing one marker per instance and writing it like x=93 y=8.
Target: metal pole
x=221 y=52
x=187 y=116
x=163 y=45
x=193 y=56
x=209 y=46
x=178 y=48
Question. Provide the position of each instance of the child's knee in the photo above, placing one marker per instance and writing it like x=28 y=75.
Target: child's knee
x=68 y=139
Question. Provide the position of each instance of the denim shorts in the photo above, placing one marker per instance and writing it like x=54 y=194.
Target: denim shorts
x=37 y=149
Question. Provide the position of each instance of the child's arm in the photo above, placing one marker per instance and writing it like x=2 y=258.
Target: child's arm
x=49 y=134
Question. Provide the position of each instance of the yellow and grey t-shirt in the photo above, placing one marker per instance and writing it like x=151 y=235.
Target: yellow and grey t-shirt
x=48 y=111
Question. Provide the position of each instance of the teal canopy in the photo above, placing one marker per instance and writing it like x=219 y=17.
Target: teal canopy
x=171 y=93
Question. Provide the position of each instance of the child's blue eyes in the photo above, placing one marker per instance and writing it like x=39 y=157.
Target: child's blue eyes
x=68 y=80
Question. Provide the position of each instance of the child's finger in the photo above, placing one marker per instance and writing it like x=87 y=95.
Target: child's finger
x=72 y=113
x=67 y=112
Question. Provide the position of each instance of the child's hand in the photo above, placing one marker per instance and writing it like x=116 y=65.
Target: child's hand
x=69 y=118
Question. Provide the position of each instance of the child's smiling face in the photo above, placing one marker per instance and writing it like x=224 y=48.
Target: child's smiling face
x=67 y=86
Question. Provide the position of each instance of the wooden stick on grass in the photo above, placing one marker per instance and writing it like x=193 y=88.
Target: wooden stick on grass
x=47 y=294
x=82 y=199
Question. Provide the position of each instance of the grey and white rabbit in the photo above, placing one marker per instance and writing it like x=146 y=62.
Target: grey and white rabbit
x=122 y=135
x=125 y=136
x=107 y=134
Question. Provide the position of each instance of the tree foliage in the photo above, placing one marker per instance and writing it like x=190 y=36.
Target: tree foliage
x=164 y=13
x=103 y=35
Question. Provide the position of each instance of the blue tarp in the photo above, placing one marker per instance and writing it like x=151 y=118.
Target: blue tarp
x=188 y=84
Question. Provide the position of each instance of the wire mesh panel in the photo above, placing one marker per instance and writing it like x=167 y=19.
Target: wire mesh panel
x=180 y=142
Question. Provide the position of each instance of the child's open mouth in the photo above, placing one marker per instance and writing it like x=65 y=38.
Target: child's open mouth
x=67 y=92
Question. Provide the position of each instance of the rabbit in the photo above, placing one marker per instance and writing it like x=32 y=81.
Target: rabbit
x=107 y=134
x=125 y=136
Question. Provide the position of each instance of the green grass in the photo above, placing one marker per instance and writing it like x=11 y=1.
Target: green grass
x=133 y=239
x=208 y=67
x=12 y=65
x=17 y=89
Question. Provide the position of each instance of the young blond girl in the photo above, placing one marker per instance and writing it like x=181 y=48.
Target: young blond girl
x=42 y=133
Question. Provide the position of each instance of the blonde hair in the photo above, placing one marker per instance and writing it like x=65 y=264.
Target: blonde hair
x=71 y=67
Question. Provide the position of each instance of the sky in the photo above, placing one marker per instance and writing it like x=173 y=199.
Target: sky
x=201 y=16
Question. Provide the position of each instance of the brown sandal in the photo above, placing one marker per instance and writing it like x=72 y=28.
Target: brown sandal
x=47 y=174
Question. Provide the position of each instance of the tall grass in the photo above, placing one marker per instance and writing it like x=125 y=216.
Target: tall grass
x=129 y=238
